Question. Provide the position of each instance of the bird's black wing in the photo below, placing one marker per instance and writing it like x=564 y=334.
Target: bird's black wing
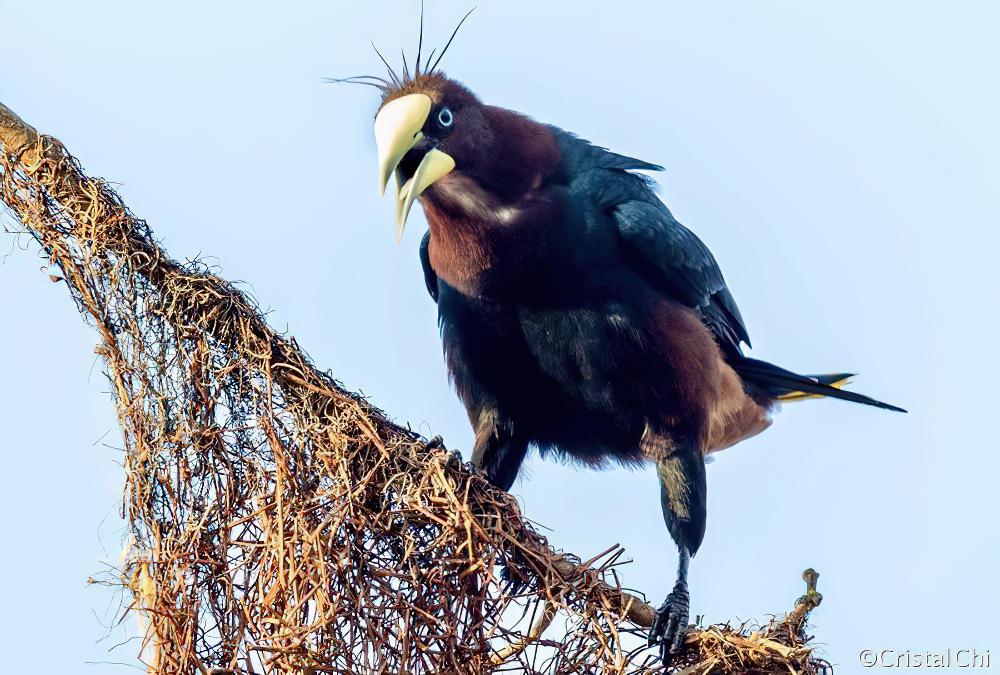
x=681 y=265
x=666 y=252
x=430 y=276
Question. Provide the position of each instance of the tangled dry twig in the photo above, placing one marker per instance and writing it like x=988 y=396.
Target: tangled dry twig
x=280 y=523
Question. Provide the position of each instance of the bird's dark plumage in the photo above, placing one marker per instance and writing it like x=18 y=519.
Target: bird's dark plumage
x=577 y=314
x=669 y=253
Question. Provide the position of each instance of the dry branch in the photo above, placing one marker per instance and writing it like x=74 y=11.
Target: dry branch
x=280 y=523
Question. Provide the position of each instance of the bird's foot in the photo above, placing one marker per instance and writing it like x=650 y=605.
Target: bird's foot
x=453 y=460
x=671 y=623
x=436 y=443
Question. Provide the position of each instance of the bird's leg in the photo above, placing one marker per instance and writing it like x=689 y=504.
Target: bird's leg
x=498 y=451
x=671 y=623
x=682 y=496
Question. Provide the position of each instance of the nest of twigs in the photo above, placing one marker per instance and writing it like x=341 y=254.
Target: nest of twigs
x=281 y=524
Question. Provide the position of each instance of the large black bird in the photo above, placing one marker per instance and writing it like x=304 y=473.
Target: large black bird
x=577 y=314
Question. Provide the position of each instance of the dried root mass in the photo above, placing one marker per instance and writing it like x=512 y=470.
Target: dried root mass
x=281 y=524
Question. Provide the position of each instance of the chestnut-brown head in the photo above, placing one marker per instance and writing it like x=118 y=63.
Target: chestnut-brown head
x=431 y=128
x=440 y=141
x=420 y=130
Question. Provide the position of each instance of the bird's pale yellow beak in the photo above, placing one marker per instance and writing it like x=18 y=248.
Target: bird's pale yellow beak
x=398 y=128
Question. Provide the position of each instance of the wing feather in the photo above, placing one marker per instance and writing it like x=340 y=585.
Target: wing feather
x=670 y=255
x=430 y=276
x=681 y=264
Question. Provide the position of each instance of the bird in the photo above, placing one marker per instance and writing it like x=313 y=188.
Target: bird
x=577 y=314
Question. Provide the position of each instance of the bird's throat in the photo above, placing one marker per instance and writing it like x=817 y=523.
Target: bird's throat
x=463 y=251
x=488 y=247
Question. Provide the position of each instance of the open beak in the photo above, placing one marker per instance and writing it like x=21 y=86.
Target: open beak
x=398 y=128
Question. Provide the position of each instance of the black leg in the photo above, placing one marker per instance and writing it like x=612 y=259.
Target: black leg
x=682 y=495
x=499 y=451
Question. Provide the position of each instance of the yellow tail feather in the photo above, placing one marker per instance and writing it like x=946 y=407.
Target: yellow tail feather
x=802 y=395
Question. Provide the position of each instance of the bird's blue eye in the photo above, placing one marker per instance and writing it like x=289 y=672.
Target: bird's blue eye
x=445 y=118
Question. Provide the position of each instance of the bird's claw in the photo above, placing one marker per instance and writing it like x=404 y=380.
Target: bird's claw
x=435 y=443
x=453 y=459
x=670 y=626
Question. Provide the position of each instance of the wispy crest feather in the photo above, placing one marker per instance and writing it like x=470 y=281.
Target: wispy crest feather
x=399 y=81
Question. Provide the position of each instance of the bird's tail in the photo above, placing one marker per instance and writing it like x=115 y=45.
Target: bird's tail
x=784 y=385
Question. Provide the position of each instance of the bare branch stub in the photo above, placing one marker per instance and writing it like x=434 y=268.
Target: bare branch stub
x=280 y=523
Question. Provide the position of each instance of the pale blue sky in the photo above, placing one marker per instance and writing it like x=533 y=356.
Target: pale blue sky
x=841 y=160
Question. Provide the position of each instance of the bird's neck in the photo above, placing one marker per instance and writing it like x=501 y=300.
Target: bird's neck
x=464 y=250
x=482 y=247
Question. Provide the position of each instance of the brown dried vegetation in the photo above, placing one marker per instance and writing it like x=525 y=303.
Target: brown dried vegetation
x=281 y=524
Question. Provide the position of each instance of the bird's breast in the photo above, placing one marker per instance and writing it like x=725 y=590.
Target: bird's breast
x=461 y=257
x=505 y=253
